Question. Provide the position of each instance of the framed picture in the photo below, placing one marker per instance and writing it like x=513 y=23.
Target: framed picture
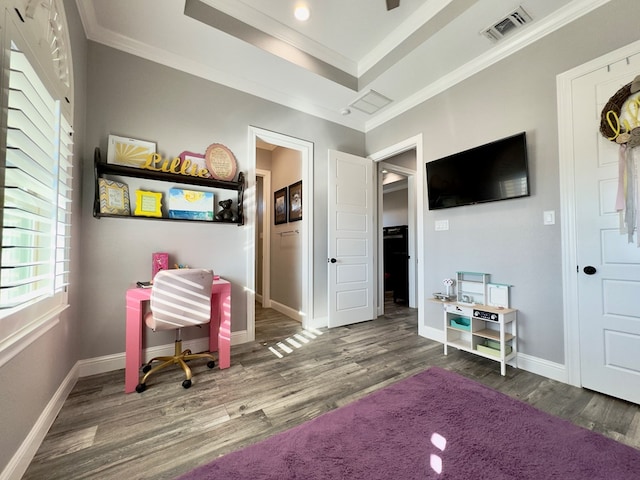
x=295 y=201
x=190 y=204
x=280 y=206
x=114 y=197
x=129 y=152
x=148 y=204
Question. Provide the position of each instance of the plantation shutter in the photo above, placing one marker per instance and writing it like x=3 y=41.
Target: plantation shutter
x=36 y=192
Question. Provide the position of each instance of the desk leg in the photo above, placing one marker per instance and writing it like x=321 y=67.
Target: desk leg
x=220 y=327
x=133 y=344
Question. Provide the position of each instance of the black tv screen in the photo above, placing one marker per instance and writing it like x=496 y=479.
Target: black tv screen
x=495 y=171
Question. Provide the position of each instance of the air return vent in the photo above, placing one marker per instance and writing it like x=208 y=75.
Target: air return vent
x=507 y=25
x=370 y=102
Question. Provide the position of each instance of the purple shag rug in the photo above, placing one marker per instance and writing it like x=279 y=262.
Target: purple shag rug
x=434 y=425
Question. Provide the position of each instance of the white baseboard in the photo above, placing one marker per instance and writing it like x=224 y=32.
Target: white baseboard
x=19 y=463
x=431 y=333
x=545 y=368
x=285 y=310
x=109 y=363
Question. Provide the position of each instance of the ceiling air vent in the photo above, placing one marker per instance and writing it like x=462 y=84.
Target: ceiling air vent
x=370 y=102
x=507 y=25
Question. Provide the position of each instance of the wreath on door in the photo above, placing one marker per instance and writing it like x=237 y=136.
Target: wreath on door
x=620 y=123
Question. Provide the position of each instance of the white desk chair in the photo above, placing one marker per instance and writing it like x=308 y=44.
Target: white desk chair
x=179 y=298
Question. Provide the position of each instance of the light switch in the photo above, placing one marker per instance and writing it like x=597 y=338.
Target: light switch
x=549 y=217
x=442 y=225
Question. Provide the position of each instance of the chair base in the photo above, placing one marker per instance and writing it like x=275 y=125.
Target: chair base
x=179 y=358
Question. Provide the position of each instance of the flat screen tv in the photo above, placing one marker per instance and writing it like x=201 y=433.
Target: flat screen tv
x=491 y=172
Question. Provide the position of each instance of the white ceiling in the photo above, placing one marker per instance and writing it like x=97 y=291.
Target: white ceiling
x=322 y=66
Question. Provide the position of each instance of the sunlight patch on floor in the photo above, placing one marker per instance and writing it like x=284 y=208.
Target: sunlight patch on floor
x=294 y=342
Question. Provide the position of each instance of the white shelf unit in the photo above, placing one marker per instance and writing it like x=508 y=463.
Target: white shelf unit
x=472 y=287
x=476 y=325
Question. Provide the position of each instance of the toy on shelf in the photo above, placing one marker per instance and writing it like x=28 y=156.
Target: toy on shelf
x=448 y=283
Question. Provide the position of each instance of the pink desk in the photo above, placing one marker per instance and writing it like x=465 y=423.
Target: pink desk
x=219 y=329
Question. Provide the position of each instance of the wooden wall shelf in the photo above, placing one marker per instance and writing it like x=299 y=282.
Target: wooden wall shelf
x=103 y=169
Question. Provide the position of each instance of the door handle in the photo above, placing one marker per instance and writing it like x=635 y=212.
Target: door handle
x=589 y=270
x=333 y=260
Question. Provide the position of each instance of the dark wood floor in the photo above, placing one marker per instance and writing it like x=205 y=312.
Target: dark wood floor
x=285 y=377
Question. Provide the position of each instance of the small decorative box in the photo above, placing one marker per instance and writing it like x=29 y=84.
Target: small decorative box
x=159 y=261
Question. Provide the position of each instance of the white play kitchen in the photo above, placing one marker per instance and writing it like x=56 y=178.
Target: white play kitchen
x=478 y=318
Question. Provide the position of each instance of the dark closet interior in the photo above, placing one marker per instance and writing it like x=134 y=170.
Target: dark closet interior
x=396 y=263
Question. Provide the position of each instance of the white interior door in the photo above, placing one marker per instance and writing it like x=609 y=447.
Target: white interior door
x=609 y=292
x=351 y=239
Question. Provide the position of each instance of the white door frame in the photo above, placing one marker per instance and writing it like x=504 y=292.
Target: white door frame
x=411 y=227
x=414 y=142
x=266 y=239
x=568 y=206
x=306 y=154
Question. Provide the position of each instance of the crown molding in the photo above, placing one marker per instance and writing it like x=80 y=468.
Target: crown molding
x=520 y=40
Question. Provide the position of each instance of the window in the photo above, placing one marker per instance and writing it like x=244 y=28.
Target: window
x=35 y=172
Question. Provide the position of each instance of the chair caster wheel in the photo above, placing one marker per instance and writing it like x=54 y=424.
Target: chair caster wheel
x=141 y=387
x=211 y=364
x=146 y=368
x=186 y=383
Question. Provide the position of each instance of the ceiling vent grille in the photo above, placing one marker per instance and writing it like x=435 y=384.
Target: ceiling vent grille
x=507 y=25
x=370 y=102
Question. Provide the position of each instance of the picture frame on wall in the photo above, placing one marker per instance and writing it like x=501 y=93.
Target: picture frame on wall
x=280 y=206
x=295 y=201
x=129 y=152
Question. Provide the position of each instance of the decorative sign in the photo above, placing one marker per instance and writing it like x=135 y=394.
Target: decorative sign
x=156 y=163
x=221 y=162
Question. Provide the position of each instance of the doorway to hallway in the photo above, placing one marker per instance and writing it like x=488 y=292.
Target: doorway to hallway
x=271 y=242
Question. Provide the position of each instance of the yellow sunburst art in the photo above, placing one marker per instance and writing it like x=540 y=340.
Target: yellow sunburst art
x=131 y=155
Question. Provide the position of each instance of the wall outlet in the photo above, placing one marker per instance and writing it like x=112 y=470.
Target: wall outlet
x=442 y=225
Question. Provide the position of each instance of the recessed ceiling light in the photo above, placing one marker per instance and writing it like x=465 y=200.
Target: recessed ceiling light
x=302 y=13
